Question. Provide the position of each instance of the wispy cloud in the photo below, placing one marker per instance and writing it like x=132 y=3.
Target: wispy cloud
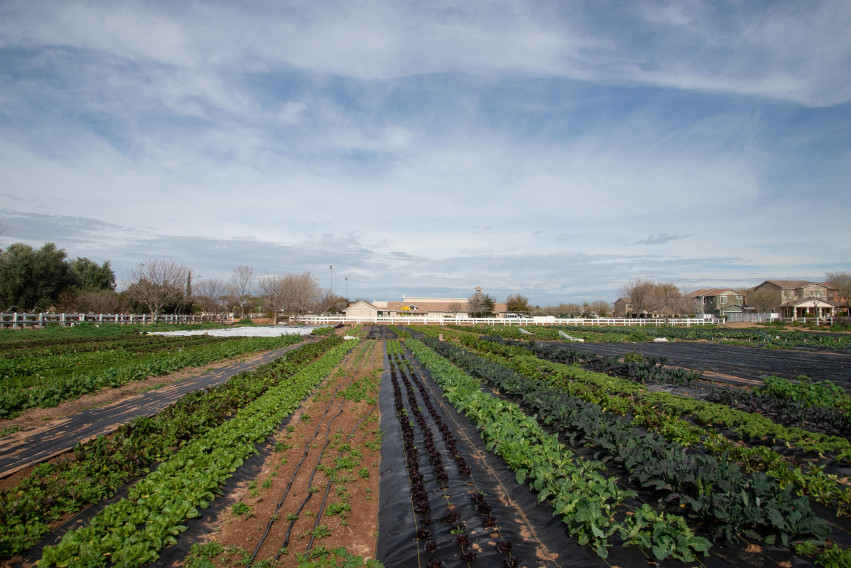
x=661 y=239
x=536 y=145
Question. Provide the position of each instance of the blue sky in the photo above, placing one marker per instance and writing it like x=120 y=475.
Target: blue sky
x=555 y=149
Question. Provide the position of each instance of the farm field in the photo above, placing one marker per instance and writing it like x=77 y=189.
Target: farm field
x=458 y=450
x=741 y=362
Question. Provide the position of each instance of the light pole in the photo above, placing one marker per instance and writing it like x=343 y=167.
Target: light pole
x=331 y=268
x=347 y=287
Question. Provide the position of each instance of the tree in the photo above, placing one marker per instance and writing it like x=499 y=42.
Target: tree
x=209 y=294
x=157 y=283
x=98 y=302
x=241 y=281
x=88 y=275
x=841 y=281
x=480 y=305
x=272 y=289
x=763 y=298
x=601 y=308
x=655 y=298
x=517 y=303
x=31 y=279
x=640 y=293
x=455 y=307
x=302 y=291
x=328 y=302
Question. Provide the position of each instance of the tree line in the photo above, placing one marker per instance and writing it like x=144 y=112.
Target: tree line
x=45 y=279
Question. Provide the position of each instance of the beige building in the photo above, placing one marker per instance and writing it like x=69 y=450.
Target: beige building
x=417 y=306
x=794 y=298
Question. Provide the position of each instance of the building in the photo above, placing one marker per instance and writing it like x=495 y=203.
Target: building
x=623 y=307
x=429 y=307
x=793 y=298
x=718 y=302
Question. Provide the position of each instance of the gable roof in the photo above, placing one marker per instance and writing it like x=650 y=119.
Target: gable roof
x=791 y=284
x=361 y=304
x=710 y=292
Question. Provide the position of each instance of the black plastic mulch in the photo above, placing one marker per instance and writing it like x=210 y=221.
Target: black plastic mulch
x=62 y=435
x=538 y=538
x=751 y=363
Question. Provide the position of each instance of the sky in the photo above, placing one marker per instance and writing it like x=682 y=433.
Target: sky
x=555 y=149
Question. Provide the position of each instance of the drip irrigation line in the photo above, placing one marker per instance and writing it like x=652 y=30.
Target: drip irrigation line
x=331 y=480
x=295 y=474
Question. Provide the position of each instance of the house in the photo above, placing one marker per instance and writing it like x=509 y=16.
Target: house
x=623 y=307
x=718 y=302
x=794 y=298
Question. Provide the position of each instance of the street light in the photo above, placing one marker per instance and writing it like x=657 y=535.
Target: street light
x=331 y=268
x=347 y=287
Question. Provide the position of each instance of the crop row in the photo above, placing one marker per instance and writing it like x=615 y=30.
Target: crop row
x=133 y=531
x=588 y=502
x=457 y=524
x=785 y=411
x=748 y=426
x=768 y=338
x=99 y=467
x=717 y=491
x=627 y=398
x=634 y=366
x=82 y=381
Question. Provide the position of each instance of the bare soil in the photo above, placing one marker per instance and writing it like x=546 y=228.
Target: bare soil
x=298 y=474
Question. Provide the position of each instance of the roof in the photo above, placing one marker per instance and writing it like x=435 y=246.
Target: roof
x=791 y=284
x=709 y=292
x=361 y=303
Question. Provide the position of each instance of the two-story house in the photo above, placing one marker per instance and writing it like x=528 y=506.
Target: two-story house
x=718 y=302
x=794 y=298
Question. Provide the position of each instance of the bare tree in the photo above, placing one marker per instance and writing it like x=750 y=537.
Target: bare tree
x=655 y=298
x=209 y=294
x=456 y=307
x=640 y=293
x=157 y=283
x=303 y=291
x=98 y=302
x=328 y=302
x=841 y=282
x=763 y=299
x=272 y=289
x=601 y=308
x=241 y=281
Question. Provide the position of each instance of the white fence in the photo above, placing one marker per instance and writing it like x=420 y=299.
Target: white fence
x=20 y=320
x=538 y=320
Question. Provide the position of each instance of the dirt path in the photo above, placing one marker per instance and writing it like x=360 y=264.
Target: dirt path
x=318 y=487
x=49 y=432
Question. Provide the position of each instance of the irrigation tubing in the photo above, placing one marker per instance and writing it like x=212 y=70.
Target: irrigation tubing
x=331 y=480
x=295 y=474
x=310 y=479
